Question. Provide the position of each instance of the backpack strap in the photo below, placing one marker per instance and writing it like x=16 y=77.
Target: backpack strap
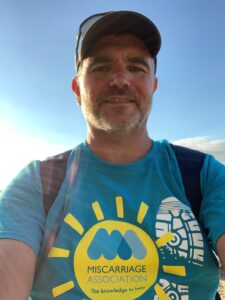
x=52 y=173
x=190 y=163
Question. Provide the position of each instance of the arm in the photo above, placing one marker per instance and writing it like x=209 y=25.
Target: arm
x=17 y=266
x=213 y=205
x=220 y=248
x=22 y=221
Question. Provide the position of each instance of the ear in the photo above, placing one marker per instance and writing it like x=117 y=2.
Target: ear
x=76 y=89
x=155 y=85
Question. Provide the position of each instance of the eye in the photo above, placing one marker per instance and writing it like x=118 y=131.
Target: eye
x=136 y=69
x=101 y=69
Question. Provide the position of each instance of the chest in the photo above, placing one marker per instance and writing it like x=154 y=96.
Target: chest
x=127 y=236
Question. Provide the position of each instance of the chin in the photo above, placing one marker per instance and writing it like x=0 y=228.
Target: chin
x=121 y=129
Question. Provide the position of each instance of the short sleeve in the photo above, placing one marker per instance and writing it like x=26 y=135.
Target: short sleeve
x=212 y=214
x=22 y=216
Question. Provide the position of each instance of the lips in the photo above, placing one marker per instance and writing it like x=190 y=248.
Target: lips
x=119 y=100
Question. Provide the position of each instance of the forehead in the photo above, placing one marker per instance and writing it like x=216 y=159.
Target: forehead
x=110 y=43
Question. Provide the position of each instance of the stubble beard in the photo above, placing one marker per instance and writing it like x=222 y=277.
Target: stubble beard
x=99 y=120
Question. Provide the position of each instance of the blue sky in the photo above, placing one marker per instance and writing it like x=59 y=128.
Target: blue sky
x=38 y=114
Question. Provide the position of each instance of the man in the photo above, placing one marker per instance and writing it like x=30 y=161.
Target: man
x=121 y=226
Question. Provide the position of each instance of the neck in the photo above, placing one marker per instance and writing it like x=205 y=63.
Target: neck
x=119 y=148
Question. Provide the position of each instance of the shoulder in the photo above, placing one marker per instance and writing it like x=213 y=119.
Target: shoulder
x=27 y=178
x=213 y=173
x=187 y=153
x=180 y=152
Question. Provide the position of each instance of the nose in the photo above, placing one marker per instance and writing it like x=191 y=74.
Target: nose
x=120 y=77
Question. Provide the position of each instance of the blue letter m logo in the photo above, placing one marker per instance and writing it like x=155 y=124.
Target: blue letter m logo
x=111 y=245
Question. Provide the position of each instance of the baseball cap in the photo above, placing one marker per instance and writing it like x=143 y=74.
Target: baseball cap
x=116 y=22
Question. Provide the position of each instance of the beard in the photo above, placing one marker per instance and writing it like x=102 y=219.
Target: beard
x=102 y=120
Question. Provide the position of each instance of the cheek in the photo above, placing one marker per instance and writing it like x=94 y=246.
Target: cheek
x=92 y=87
x=145 y=87
x=85 y=91
x=90 y=93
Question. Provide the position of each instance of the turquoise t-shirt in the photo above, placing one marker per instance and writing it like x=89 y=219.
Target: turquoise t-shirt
x=119 y=231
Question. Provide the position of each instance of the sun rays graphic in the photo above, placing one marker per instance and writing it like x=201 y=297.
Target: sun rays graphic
x=119 y=273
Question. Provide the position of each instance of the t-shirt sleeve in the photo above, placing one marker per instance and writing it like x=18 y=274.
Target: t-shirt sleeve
x=22 y=216
x=212 y=214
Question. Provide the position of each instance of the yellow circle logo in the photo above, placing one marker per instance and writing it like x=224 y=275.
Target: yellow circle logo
x=115 y=260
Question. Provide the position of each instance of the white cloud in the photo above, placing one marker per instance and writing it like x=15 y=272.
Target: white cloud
x=205 y=144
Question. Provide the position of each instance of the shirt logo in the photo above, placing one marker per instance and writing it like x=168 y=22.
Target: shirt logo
x=115 y=259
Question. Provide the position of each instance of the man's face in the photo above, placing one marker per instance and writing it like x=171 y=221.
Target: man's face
x=116 y=83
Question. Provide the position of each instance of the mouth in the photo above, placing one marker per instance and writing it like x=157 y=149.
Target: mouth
x=119 y=100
